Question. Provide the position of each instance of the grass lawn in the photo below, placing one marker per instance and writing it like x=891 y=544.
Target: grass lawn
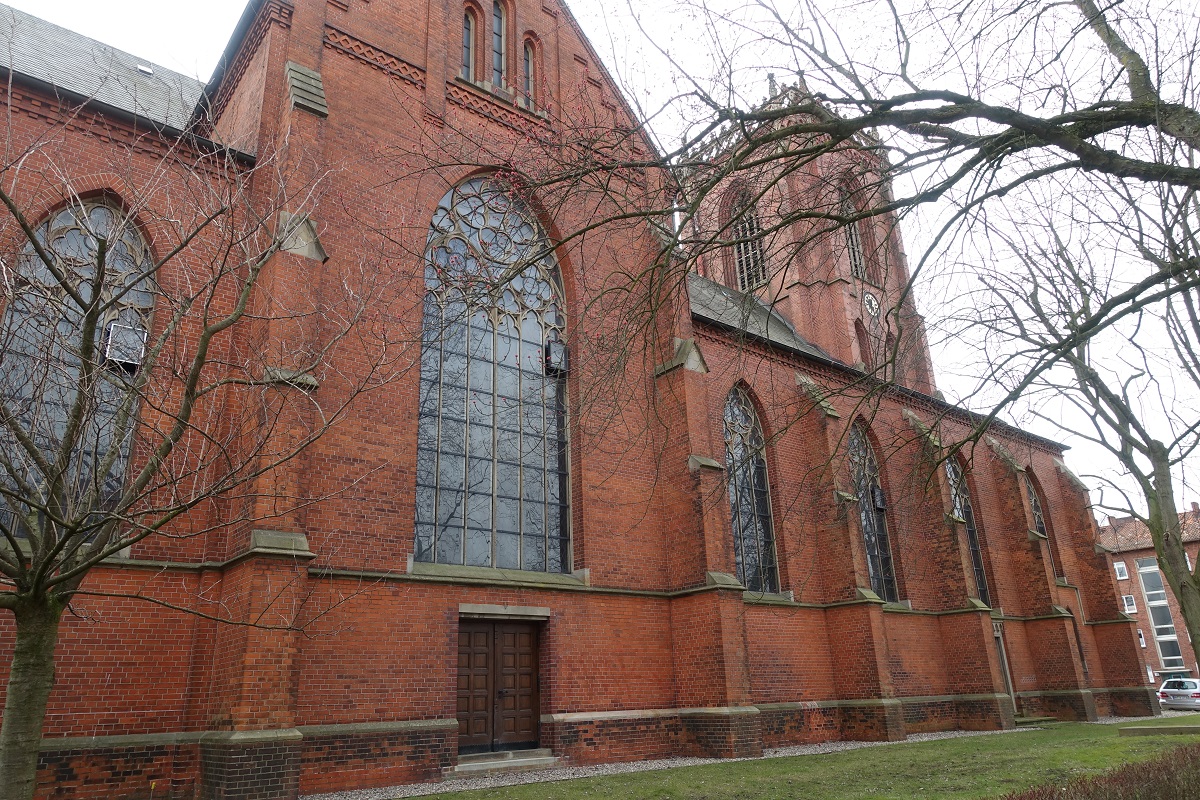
x=972 y=767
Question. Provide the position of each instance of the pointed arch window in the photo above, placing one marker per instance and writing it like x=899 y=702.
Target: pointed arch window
x=49 y=374
x=468 y=46
x=749 y=495
x=528 y=77
x=872 y=511
x=498 y=44
x=854 y=243
x=961 y=508
x=492 y=435
x=1039 y=524
x=747 y=244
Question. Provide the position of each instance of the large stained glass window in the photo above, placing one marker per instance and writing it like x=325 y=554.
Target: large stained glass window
x=97 y=254
x=749 y=495
x=492 y=437
x=872 y=513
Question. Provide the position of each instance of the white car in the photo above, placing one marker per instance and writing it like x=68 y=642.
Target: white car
x=1180 y=693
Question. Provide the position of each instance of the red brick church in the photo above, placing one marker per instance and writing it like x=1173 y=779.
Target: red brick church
x=730 y=538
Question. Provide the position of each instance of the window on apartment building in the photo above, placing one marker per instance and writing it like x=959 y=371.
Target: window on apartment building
x=961 y=509
x=499 y=41
x=468 y=46
x=872 y=511
x=45 y=357
x=1036 y=508
x=749 y=494
x=1142 y=640
x=747 y=234
x=1155 y=594
x=492 y=435
x=1121 y=570
x=1130 y=603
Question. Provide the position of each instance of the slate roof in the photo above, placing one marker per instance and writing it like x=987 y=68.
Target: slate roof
x=746 y=313
x=1123 y=534
x=81 y=69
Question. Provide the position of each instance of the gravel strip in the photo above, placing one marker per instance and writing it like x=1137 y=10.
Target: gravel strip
x=566 y=773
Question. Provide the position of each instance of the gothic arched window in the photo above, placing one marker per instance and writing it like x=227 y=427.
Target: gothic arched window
x=747 y=244
x=528 y=74
x=1039 y=523
x=749 y=495
x=872 y=513
x=492 y=436
x=854 y=243
x=960 y=500
x=468 y=46
x=499 y=40
x=50 y=374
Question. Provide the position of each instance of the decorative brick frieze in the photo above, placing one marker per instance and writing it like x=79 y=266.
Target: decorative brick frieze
x=377 y=57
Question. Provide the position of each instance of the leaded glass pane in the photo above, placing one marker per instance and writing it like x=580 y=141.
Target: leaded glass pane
x=1039 y=522
x=42 y=354
x=961 y=503
x=491 y=415
x=749 y=497
x=872 y=512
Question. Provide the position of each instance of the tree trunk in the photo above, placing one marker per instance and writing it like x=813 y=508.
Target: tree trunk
x=29 y=683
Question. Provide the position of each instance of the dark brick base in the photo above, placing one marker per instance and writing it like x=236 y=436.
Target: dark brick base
x=722 y=735
x=594 y=741
x=245 y=769
x=881 y=721
x=1131 y=701
x=1066 y=705
x=164 y=772
x=787 y=724
x=334 y=761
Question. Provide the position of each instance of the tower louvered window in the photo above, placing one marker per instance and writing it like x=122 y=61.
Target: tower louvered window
x=747 y=234
x=492 y=435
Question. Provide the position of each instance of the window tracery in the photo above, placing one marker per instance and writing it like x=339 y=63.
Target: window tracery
x=872 y=510
x=101 y=257
x=492 y=439
x=961 y=508
x=749 y=495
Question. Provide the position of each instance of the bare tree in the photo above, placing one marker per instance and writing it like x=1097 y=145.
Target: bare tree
x=1050 y=151
x=138 y=381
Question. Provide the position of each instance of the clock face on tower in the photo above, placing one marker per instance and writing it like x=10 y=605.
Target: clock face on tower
x=871 y=304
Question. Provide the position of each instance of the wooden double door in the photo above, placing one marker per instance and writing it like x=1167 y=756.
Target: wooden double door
x=498 y=705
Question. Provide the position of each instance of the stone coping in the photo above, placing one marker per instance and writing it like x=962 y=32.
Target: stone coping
x=237 y=738
x=758 y=708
